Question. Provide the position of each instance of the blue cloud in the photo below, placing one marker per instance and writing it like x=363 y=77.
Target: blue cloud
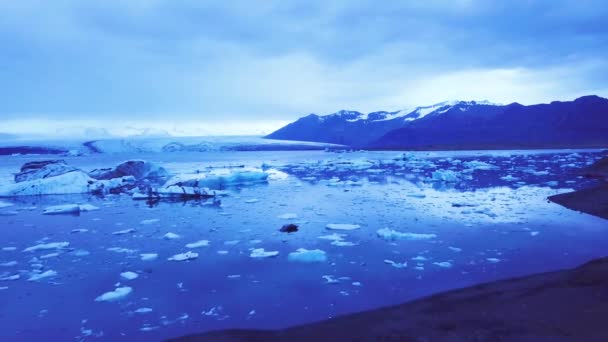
x=243 y=60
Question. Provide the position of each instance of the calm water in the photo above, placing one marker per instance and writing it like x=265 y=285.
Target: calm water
x=493 y=222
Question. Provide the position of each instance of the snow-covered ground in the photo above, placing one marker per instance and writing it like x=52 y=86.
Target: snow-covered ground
x=374 y=229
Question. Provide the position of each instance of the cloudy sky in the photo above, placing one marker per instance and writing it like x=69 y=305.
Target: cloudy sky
x=235 y=67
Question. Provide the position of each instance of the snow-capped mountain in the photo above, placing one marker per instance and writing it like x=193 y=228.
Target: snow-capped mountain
x=359 y=129
x=461 y=124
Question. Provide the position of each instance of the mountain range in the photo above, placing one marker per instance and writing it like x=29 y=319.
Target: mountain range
x=461 y=125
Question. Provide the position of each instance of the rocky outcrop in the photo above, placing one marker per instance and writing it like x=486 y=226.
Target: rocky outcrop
x=137 y=169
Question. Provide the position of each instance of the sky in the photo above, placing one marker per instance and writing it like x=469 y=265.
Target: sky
x=196 y=67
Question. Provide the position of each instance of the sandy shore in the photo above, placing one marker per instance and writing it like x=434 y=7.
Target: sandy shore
x=568 y=305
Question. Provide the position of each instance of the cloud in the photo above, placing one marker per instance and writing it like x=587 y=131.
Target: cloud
x=179 y=63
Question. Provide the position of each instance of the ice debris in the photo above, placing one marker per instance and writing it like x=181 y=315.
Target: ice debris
x=117 y=294
x=307 y=256
x=391 y=235
x=261 y=253
x=184 y=256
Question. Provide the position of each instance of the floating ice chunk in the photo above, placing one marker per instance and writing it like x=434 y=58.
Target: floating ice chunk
x=253 y=200
x=396 y=264
x=234 y=276
x=148 y=256
x=150 y=221
x=117 y=294
x=493 y=260
x=307 y=256
x=171 y=236
x=11 y=277
x=5 y=204
x=342 y=226
x=329 y=279
x=333 y=237
x=391 y=235
x=184 y=256
x=129 y=275
x=121 y=250
x=9 y=249
x=46 y=246
x=479 y=165
x=81 y=252
x=50 y=255
x=288 y=216
x=74 y=182
x=143 y=310
x=534 y=233
x=447 y=176
x=197 y=244
x=62 y=209
x=147 y=327
x=222 y=252
x=455 y=249
x=444 y=264
x=125 y=231
x=261 y=253
x=40 y=276
x=87 y=207
x=419 y=258
x=343 y=243
x=78 y=230
x=509 y=178
x=356 y=283
x=231 y=242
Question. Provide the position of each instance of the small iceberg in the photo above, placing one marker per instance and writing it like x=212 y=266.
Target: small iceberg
x=396 y=264
x=117 y=294
x=197 y=244
x=171 y=236
x=148 y=256
x=443 y=264
x=46 y=246
x=184 y=256
x=342 y=226
x=307 y=256
x=129 y=275
x=447 y=176
x=40 y=276
x=391 y=235
x=258 y=253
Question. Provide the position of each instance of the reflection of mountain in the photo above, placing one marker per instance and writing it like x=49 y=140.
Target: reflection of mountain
x=462 y=125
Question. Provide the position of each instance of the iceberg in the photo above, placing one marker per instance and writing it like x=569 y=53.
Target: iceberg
x=184 y=256
x=342 y=226
x=45 y=274
x=447 y=176
x=307 y=256
x=117 y=294
x=129 y=275
x=46 y=246
x=197 y=244
x=391 y=235
x=258 y=253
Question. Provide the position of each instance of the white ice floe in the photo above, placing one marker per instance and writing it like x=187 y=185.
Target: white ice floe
x=184 y=256
x=149 y=221
x=342 y=226
x=171 y=236
x=143 y=310
x=5 y=204
x=493 y=260
x=261 y=253
x=10 y=277
x=117 y=294
x=479 y=165
x=128 y=275
x=124 y=231
x=307 y=256
x=47 y=246
x=343 y=243
x=197 y=244
x=121 y=250
x=391 y=235
x=333 y=237
x=40 y=276
x=455 y=249
x=62 y=209
x=329 y=279
x=87 y=207
x=148 y=256
x=396 y=264
x=443 y=264
x=288 y=216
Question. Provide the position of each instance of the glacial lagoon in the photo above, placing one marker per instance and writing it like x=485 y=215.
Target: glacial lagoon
x=379 y=228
